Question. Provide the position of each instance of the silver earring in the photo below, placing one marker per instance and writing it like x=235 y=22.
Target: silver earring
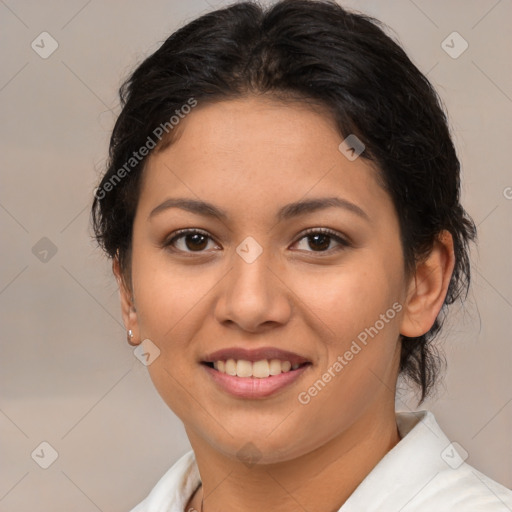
x=129 y=335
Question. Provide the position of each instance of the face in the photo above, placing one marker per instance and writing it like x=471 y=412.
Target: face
x=268 y=275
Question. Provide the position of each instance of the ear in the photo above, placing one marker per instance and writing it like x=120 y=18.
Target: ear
x=127 y=305
x=428 y=287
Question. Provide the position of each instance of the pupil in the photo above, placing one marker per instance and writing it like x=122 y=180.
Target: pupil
x=196 y=237
x=325 y=238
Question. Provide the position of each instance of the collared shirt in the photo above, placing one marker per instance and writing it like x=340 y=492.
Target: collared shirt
x=424 y=472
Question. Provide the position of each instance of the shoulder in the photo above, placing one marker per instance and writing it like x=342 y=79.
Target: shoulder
x=425 y=472
x=464 y=488
x=453 y=484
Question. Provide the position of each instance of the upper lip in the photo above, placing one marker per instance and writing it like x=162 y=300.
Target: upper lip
x=253 y=355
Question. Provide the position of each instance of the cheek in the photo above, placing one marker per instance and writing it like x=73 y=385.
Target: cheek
x=348 y=298
x=362 y=315
x=360 y=305
x=360 y=366
x=167 y=295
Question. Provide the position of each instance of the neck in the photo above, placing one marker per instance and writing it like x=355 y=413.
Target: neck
x=318 y=481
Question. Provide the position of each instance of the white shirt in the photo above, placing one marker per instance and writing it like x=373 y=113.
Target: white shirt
x=422 y=473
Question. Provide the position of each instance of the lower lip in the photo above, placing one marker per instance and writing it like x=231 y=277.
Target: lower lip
x=252 y=387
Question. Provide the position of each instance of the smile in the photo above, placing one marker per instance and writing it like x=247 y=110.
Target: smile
x=254 y=373
x=259 y=369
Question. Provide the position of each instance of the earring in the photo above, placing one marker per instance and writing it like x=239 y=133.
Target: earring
x=129 y=335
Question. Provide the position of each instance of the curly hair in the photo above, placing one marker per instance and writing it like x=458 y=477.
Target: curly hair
x=312 y=51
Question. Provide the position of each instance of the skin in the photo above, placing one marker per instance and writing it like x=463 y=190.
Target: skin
x=250 y=157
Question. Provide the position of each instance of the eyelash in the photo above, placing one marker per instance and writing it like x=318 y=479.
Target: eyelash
x=344 y=243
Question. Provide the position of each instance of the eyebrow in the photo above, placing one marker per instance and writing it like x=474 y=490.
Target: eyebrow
x=285 y=213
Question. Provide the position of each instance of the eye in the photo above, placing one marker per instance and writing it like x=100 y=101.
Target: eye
x=194 y=240
x=320 y=239
x=188 y=240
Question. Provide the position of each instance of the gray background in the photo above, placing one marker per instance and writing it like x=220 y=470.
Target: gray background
x=68 y=377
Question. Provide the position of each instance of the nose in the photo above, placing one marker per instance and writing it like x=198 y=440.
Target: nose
x=253 y=295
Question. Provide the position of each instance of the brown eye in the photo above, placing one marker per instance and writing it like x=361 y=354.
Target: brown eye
x=196 y=241
x=319 y=240
x=189 y=240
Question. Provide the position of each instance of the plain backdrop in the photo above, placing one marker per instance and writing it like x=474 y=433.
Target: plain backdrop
x=67 y=376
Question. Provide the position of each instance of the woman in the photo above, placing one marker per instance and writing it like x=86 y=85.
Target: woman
x=282 y=209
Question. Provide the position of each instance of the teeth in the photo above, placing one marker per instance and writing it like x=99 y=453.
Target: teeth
x=261 y=369
x=230 y=367
x=243 y=368
x=258 y=369
x=275 y=367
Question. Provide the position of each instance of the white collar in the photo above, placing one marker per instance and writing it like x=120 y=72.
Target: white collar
x=422 y=473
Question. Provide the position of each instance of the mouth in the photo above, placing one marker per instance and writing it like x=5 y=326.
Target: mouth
x=260 y=363
x=254 y=373
x=258 y=369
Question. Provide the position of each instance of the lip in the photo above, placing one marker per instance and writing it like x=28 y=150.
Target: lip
x=253 y=387
x=254 y=355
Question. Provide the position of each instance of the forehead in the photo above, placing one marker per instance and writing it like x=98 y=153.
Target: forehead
x=248 y=123
x=258 y=150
